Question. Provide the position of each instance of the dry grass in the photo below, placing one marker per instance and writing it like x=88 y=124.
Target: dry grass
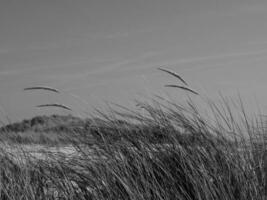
x=171 y=152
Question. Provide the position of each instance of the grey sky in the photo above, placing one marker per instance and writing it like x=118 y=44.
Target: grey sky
x=110 y=49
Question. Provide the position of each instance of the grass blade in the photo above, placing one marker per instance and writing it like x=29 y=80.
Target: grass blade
x=183 y=88
x=173 y=74
x=55 y=105
x=42 y=88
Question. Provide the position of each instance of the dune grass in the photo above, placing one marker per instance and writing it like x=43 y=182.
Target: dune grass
x=172 y=152
x=167 y=151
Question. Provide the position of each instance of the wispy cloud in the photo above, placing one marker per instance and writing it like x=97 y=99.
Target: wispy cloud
x=217 y=59
x=122 y=34
x=125 y=63
x=9 y=72
x=32 y=48
x=234 y=55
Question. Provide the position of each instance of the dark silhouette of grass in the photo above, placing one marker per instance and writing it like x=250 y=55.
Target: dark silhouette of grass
x=42 y=88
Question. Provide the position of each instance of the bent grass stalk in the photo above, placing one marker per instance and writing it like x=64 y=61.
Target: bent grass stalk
x=42 y=88
x=55 y=105
x=183 y=88
x=173 y=74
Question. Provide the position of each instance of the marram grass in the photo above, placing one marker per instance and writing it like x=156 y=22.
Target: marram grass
x=171 y=151
x=169 y=154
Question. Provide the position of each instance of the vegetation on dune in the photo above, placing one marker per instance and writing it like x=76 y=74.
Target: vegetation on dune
x=44 y=123
x=171 y=151
x=196 y=160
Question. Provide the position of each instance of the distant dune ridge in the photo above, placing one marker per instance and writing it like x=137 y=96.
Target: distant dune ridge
x=45 y=123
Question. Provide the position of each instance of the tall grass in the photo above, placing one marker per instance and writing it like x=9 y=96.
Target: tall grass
x=171 y=151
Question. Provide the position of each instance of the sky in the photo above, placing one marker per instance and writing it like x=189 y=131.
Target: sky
x=98 y=51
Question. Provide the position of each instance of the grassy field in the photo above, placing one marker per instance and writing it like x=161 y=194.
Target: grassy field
x=167 y=151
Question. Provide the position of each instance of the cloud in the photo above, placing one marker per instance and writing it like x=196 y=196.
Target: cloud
x=125 y=63
x=9 y=72
x=117 y=34
x=212 y=58
x=234 y=55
